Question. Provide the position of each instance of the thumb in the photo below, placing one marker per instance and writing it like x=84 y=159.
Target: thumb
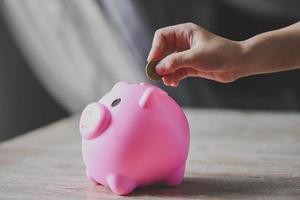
x=175 y=61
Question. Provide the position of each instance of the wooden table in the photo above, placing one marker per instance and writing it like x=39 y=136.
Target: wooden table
x=233 y=155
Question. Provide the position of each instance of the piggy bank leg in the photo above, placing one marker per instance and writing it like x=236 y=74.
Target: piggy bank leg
x=91 y=179
x=120 y=184
x=175 y=178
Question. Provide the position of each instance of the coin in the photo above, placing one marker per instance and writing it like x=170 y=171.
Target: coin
x=150 y=71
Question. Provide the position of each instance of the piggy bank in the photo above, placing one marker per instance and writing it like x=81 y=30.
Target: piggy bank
x=135 y=135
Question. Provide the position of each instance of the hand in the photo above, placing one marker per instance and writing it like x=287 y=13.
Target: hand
x=187 y=50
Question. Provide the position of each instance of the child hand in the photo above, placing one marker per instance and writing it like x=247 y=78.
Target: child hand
x=187 y=50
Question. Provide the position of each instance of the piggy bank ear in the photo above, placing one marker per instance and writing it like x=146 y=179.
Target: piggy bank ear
x=120 y=85
x=149 y=98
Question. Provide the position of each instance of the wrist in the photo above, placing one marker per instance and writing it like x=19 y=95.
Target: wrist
x=247 y=61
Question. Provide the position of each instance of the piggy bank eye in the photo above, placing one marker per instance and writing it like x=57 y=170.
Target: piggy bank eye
x=115 y=102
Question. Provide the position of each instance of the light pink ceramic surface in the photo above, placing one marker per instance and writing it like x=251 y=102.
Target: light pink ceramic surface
x=135 y=135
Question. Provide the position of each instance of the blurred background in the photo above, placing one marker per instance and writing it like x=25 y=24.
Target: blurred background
x=56 y=56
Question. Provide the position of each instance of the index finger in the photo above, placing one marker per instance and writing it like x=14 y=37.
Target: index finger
x=167 y=40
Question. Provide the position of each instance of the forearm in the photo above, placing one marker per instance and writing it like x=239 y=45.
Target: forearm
x=273 y=51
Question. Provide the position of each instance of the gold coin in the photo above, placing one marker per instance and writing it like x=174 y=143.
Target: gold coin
x=150 y=71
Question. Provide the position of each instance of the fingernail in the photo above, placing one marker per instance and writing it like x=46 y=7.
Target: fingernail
x=148 y=58
x=165 y=80
x=174 y=84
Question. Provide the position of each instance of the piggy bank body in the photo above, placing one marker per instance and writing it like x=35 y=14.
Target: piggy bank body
x=135 y=135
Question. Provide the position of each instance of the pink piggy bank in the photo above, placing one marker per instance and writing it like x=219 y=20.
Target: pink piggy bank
x=136 y=135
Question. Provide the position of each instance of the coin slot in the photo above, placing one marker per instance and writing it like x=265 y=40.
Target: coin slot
x=115 y=102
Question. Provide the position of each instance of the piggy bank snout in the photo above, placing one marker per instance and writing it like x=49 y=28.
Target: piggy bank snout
x=94 y=120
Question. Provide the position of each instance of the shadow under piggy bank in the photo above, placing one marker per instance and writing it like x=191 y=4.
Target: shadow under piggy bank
x=226 y=187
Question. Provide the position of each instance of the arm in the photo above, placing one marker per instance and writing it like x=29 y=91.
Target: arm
x=272 y=51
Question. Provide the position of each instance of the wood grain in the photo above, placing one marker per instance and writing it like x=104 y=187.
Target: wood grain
x=233 y=155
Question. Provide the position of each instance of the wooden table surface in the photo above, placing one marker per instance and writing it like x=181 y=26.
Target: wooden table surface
x=233 y=155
